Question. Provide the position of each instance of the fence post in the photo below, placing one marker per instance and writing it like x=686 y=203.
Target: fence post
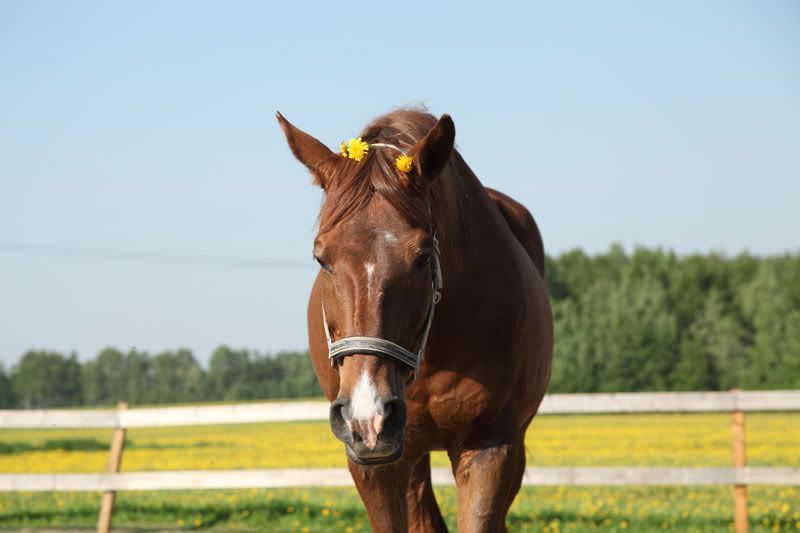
x=740 y=518
x=114 y=459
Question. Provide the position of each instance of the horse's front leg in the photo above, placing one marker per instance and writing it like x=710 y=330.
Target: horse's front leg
x=423 y=511
x=383 y=490
x=487 y=476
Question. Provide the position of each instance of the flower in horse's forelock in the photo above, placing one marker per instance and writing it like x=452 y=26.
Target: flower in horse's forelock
x=403 y=163
x=356 y=149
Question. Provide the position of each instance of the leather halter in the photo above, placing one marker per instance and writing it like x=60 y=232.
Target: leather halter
x=384 y=348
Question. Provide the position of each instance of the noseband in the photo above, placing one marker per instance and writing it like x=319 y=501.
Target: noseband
x=381 y=347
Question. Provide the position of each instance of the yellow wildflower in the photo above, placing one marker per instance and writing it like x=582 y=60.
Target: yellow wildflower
x=357 y=148
x=403 y=163
x=343 y=149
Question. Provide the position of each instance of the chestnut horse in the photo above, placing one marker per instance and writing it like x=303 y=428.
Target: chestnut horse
x=389 y=244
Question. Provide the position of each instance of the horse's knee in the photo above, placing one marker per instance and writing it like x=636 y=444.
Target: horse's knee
x=483 y=475
x=482 y=462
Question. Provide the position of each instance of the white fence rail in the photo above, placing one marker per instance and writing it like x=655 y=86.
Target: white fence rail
x=340 y=477
x=644 y=402
x=735 y=402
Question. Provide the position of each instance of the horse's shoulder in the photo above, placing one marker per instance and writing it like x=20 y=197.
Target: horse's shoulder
x=522 y=225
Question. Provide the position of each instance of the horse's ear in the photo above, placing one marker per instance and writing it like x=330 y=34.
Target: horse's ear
x=433 y=151
x=307 y=149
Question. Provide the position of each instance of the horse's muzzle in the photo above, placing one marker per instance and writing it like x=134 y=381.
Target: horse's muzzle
x=371 y=457
x=377 y=440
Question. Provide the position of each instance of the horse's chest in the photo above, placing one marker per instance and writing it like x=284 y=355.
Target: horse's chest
x=458 y=403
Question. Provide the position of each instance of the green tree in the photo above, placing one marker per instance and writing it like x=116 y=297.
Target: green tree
x=298 y=377
x=618 y=338
x=103 y=380
x=177 y=378
x=7 y=399
x=268 y=377
x=713 y=351
x=139 y=378
x=229 y=375
x=47 y=379
x=776 y=336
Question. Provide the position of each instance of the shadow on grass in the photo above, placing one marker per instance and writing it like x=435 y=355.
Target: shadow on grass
x=136 y=514
x=90 y=445
x=68 y=445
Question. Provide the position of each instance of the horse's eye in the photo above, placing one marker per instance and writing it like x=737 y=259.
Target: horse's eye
x=422 y=262
x=323 y=265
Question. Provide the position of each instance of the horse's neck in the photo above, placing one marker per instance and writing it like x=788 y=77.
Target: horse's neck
x=463 y=234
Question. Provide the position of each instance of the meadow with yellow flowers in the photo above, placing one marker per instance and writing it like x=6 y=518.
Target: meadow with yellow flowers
x=773 y=439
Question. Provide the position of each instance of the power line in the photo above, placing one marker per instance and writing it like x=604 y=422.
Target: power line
x=148 y=257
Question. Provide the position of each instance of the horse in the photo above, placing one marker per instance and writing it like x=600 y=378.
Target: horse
x=429 y=322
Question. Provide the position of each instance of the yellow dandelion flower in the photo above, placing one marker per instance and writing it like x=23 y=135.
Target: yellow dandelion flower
x=403 y=163
x=343 y=149
x=357 y=148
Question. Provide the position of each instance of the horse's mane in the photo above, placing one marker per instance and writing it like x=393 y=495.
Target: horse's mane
x=353 y=184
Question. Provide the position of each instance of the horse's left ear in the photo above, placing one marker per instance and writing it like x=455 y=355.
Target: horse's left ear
x=307 y=149
x=433 y=151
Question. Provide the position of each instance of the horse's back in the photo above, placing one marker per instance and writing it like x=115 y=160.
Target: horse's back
x=522 y=225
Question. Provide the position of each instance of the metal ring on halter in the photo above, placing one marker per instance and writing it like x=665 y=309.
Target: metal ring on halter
x=385 y=348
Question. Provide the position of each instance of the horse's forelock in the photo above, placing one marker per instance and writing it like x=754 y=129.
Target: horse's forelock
x=354 y=183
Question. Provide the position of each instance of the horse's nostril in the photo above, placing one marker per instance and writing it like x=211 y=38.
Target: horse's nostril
x=394 y=413
x=337 y=407
x=337 y=414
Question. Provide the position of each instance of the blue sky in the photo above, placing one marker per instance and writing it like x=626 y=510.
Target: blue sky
x=149 y=126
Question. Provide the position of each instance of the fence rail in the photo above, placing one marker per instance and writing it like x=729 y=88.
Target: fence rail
x=735 y=402
x=340 y=477
x=600 y=403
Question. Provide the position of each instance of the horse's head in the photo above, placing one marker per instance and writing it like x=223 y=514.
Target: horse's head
x=376 y=248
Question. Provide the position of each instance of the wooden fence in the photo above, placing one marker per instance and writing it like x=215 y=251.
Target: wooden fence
x=735 y=402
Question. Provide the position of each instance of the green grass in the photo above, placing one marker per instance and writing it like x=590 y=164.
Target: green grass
x=67 y=445
x=536 y=509
x=637 y=440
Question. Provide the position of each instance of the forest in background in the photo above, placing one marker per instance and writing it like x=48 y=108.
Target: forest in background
x=649 y=320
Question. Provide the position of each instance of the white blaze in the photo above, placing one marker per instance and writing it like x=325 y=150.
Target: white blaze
x=370 y=268
x=390 y=237
x=362 y=403
x=365 y=419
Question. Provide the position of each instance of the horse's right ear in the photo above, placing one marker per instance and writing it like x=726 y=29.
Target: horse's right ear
x=432 y=152
x=306 y=149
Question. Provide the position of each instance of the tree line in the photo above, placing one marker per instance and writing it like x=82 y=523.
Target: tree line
x=653 y=320
x=50 y=379
x=645 y=321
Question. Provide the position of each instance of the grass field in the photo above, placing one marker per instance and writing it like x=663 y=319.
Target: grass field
x=635 y=440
